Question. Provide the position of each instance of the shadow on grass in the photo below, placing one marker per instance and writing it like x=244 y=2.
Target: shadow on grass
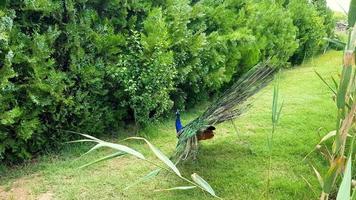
x=9 y=173
x=219 y=162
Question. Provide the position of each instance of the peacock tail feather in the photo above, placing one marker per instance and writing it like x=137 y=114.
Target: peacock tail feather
x=231 y=104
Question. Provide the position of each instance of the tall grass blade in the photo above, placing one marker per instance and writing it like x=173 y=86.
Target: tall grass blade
x=344 y=83
x=352 y=13
x=353 y=197
x=97 y=146
x=177 y=188
x=276 y=111
x=87 y=136
x=205 y=185
x=123 y=148
x=275 y=101
x=279 y=111
x=118 y=147
x=309 y=185
x=111 y=156
x=331 y=175
x=320 y=179
x=328 y=136
x=147 y=177
x=339 y=44
x=160 y=155
x=345 y=187
x=83 y=140
x=324 y=81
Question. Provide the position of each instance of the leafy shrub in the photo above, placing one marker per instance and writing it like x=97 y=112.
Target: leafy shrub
x=310 y=29
x=273 y=26
x=146 y=72
x=95 y=65
x=327 y=14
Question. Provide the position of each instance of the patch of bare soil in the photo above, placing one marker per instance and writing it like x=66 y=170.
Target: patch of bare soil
x=19 y=190
x=46 y=196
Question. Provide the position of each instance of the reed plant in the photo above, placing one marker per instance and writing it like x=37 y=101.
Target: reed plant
x=276 y=112
x=338 y=177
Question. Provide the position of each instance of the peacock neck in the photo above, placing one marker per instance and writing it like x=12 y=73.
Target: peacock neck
x=179 y=125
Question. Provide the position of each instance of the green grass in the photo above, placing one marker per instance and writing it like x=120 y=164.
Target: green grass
x=234 y=163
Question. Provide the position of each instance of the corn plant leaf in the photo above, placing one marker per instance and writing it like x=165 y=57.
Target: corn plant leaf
x=178 y=188
x=205 y=185
x=345 y=187
x=148 y=176
x=108 y=157
x=352 y=13
x=160 y=155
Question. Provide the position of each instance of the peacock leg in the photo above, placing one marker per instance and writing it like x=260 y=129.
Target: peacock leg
x=187 y=149
x=194 y=147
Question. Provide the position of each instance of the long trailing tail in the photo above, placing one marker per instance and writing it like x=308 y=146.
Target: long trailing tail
x=231 y=104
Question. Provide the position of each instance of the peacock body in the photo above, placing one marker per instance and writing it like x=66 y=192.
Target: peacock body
x=231 y=104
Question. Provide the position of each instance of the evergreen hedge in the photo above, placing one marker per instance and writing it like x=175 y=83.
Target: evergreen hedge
x=92 y=65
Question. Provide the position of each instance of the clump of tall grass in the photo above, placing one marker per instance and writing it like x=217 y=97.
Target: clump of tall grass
x=340 y=154
x=276 y=112
x=196 y=182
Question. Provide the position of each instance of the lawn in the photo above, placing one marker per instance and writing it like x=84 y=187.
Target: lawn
x=234 y=162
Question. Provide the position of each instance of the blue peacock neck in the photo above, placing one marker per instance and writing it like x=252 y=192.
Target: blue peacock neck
x=179 y=125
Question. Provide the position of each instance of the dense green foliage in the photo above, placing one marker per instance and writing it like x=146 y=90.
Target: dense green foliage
x=311 y=29
x=92 y=65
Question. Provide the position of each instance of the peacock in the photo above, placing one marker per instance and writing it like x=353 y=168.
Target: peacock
x=231 y=104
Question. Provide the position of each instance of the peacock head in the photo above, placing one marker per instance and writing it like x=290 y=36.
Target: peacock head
x=177 y=113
